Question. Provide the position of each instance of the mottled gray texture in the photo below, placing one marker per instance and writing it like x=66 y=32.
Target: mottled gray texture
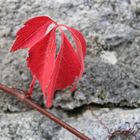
x=33 y=126
x=89 y=123
x=26 y=126
x=112 y=66
x=14 y=73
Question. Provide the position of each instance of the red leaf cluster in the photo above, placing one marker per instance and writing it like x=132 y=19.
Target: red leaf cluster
x=54 y=71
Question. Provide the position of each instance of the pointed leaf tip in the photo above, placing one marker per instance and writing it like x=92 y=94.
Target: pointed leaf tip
x=32 y=31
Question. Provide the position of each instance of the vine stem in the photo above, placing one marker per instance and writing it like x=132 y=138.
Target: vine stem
x=29 y=102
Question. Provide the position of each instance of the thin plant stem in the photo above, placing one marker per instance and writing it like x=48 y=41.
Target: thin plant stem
x=22 y=97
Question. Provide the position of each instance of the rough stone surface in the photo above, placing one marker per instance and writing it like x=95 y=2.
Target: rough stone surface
x=33 y=126
x=14 y=73
x=27 y=125
x=112 y=67
x=89 y=123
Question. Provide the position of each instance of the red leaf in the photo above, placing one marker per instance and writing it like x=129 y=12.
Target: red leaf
x=81 y=48
x=33 y=30
x=67 y=68
x=41 y=59
x=53 y=71
x=79 y=39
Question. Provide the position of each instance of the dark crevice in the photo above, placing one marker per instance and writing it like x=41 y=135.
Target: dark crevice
x=94 y=106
